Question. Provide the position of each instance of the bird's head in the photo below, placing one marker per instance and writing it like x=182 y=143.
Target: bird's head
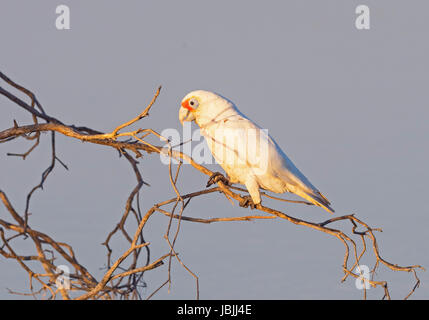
x=203 y=106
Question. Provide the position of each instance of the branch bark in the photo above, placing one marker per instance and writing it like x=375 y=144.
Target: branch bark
x=122 y=280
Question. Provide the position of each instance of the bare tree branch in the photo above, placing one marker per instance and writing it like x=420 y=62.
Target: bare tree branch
x=123 y=277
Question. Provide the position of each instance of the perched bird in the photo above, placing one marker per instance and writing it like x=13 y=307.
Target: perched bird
x=247 y=153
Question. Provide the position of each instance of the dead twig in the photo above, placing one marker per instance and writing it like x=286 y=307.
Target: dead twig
x=123 y=276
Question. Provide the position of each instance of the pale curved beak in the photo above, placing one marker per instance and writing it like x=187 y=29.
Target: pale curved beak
x=185 y=115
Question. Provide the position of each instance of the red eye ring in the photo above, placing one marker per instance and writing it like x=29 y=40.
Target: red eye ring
x=185 y=104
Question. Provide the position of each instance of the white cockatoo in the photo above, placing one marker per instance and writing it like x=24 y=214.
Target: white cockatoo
x=246 y=152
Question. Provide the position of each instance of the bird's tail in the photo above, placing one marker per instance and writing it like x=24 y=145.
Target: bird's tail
x=316 y=198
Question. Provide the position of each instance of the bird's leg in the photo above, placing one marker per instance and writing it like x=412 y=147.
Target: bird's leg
x=247 y=202
x=254 y=197
x=217 y=176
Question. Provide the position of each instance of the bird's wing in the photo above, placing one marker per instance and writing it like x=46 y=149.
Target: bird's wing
x=286 y=169
x=236 y=142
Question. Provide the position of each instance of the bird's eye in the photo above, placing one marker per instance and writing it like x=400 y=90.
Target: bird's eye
x=193 y=103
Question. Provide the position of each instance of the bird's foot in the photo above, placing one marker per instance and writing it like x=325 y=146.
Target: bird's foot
x=247 y=202
x=217 y=176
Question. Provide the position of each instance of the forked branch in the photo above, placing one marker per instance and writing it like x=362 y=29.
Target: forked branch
x=123 y=276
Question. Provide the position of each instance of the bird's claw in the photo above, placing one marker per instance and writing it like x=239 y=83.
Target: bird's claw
x=247 y=202
x=215 y=177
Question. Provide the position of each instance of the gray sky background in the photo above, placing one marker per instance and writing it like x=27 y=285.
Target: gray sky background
x=349 y=107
